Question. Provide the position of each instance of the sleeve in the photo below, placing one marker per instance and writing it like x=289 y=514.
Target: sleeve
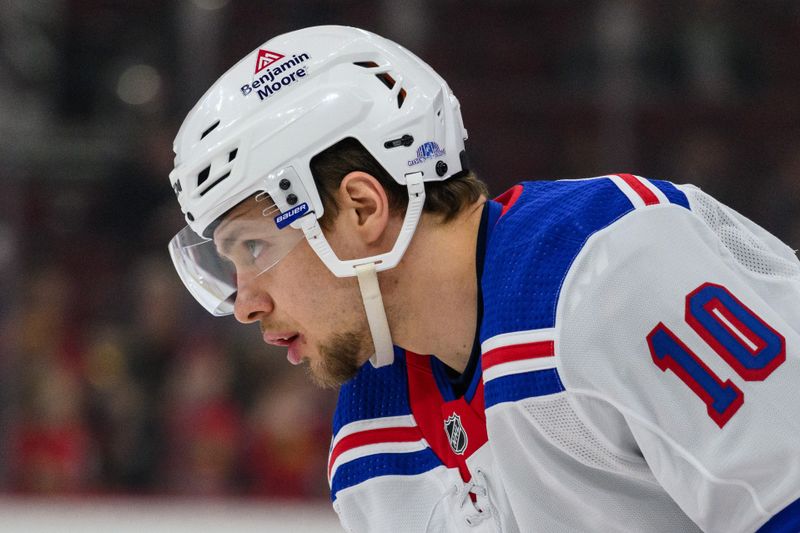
x=687 y=323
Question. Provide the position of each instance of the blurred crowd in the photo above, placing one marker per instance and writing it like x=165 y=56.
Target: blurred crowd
x=113 y=381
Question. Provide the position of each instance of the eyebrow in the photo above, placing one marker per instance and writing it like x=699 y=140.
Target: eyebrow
x=226 y=243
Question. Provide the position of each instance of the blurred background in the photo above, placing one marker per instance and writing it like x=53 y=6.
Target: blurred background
x=114 y=383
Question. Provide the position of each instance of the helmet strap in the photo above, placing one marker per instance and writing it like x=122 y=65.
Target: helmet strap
x=367 y=268
x=376 y=315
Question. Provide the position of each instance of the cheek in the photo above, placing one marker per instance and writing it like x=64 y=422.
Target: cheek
x=308 y=288
x=309 y=295
x=342 y=241
x=336 y=303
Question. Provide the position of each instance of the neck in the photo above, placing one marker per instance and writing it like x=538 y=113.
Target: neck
x=431 y=297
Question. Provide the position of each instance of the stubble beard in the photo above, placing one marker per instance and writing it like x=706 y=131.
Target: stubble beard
x=340 y=358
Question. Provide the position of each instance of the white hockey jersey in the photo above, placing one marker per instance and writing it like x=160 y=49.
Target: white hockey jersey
x=639 y=372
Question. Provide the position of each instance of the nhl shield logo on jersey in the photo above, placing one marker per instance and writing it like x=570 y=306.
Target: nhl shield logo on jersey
x=456 y=433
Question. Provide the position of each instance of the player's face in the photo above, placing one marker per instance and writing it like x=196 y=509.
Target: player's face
x=300 y=304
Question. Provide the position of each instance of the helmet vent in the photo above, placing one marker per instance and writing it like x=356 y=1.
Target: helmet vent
x=386 y=79
x=209 y=130
x=215 y=183
x=203 y=175
x=232 y=154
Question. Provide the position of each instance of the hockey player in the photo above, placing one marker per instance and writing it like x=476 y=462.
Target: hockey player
x=608 y=354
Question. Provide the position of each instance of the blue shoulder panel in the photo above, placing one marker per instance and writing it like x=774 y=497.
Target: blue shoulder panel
x=673 y=194
x=533 y=245
x=373 y=393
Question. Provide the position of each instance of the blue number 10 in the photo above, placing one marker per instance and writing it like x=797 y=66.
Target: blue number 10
x=747 y=343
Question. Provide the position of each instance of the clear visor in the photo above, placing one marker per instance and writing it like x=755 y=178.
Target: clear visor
x=245 y=244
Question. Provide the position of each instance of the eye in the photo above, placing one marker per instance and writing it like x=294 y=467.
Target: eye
x=254 y=248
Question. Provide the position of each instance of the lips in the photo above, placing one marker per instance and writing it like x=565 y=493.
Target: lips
x=288 y=339
x=279 y=339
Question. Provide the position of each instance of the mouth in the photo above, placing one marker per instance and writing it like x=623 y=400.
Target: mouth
x=279 y=339
x=288 y=339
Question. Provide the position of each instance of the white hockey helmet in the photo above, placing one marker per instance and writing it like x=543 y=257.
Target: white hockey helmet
x=257 y=128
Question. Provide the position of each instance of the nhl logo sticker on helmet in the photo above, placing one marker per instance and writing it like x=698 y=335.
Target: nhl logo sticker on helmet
x=456 y=434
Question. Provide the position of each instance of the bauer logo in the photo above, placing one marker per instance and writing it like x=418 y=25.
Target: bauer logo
x=428 y=150
x=286 y=218
x=285 y=72
x=456 y=434
x=266 y=58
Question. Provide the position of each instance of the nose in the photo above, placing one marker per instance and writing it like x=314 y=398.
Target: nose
x=252 y=302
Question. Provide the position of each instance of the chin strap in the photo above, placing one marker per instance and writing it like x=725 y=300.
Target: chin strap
x=366 y=268
x=376 y=315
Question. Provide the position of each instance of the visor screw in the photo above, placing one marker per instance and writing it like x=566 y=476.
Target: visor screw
x=284 y=184
x=190 y=217
x=441 y=168
x=291 y=199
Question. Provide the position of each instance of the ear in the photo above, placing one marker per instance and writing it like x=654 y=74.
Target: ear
x=364 y=206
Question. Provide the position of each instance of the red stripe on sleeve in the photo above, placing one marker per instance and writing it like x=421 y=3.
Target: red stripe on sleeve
x=639 y=188
x=517 y=352
x=373 y=436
